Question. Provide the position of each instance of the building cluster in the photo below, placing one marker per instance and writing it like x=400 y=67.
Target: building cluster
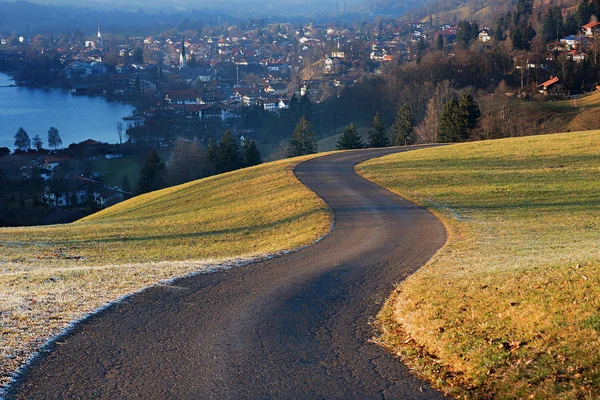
x=64 y=185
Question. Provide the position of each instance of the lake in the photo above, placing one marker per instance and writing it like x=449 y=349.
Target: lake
x=77 y=118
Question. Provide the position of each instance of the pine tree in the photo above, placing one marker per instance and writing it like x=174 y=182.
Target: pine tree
x=470 y=108
x=440 y=42
x=228 y=156
x=448 y=128
x=303 y=140
x=350 y=139
x=403 y=128
x=22 y=139
x=251 y=153
x=377 y=135
x=152 y=175
x=454 y=121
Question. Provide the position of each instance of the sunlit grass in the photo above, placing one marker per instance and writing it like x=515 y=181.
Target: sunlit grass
x=511 y=306
x=54 y=274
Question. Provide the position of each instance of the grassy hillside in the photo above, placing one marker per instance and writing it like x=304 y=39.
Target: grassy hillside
x=510 y=306
x=53 y=274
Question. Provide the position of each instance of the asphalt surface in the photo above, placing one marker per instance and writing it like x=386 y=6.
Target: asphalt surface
x=293 y=327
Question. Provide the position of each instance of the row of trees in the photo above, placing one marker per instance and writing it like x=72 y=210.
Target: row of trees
x=402 y=132
x=189 y=161
x=22 y=139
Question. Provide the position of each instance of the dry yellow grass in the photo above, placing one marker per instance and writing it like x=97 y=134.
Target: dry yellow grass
x=510 y=307
x=53 y=275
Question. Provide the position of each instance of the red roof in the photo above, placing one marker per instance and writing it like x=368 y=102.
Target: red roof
x=549 y=82
x=591 y=25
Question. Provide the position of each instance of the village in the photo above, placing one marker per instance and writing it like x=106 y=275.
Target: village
x=199 y=83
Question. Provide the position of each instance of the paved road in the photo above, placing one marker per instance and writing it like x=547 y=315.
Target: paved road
x=294 y=327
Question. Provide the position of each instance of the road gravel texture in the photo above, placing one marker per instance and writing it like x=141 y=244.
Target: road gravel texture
x=293 y=327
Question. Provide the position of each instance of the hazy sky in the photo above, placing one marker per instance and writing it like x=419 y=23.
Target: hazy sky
x=230 y=6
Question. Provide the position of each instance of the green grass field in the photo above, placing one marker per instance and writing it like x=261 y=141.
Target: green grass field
x=51 y=275
x=510 y=307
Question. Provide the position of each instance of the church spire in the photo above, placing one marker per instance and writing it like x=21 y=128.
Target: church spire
x=182 y=56
x=100 y=40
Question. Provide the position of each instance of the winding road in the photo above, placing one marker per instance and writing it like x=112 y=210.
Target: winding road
x=293 y=327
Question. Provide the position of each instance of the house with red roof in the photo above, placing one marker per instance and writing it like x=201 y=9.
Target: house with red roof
x=554 y=87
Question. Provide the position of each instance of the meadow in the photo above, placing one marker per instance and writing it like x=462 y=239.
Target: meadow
x=510 y=307
x=52 y=275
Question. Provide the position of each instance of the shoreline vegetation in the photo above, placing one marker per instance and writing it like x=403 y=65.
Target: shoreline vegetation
x=509 y=308
x=53 y=275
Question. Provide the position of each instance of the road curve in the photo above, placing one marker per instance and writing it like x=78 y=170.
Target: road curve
x=293 y=327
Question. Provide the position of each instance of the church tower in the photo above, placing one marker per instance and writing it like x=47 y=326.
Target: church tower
x=182 y=56
x=100 y=41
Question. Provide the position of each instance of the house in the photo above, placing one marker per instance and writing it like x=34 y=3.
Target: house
x=76 y=196
x=54 y=160
x=187 y=96
x=105 y=196
x=332 y=64
x=576 y=56
x=284 y=104
x=572 y=42
x=270 y=104
x=592 y=29
x=4 y=151
x=554 y=88
x=276 y=89
x=485 y=35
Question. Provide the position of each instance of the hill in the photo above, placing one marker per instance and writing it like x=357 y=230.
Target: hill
x=509 y=307
x=52 y=275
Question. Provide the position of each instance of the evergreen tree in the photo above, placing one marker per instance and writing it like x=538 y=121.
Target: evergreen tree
x=350 y=139
x=22 y=139
x=470 y=109
x=54 y=139
x=452 y=123
x=228 y=156
x=126 y=186
x=377 y=135
x=152 y=175
x=440 y=42
x=303 y=140
x=402 y=130
x=251 y=153
x=37 y=142
x=458 y=119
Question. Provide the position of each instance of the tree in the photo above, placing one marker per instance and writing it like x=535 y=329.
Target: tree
x=377 y=135
x=251 y=153
x=54 y=139
x=37 y=142
x=350 y=139
x=303 y=140
x=187 y=162
x=228 y=156
x=152 y=175
x=470 y=109
x=22 y=139
x=403 y=127
x=126 y=186
x=458 y=119
x=452 y=124
x=440 y=42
